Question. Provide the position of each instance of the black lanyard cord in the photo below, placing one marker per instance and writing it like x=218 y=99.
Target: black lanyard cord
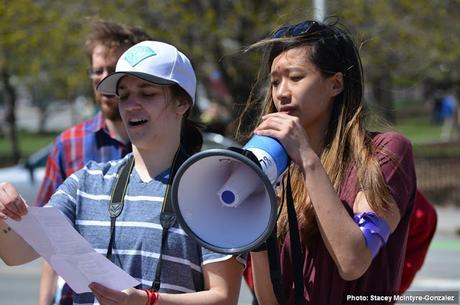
x=167 y=216
x=167 y=220
x=296 y=252
x=117 y=200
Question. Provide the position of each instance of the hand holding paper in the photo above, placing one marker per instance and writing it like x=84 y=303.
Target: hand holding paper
x=49 y=232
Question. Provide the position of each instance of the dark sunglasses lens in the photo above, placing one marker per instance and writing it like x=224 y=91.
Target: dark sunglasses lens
x=295 y=30
x=302 y=28
x=281 y=32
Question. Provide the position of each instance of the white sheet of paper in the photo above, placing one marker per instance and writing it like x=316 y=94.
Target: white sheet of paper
x=50 y=233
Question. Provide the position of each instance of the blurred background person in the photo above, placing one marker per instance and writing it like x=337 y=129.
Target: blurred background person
x=449 y=116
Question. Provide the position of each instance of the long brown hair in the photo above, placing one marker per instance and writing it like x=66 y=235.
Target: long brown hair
x=346 y=141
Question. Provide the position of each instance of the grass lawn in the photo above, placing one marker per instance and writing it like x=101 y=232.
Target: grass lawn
x=28 y=144
x=418 y=129
x=425 y=138
x=424 y=135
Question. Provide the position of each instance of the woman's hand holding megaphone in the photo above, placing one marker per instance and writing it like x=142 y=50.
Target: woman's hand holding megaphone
x=288 y=130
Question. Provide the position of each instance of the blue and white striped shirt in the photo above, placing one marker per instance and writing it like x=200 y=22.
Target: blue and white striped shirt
x=84 y=198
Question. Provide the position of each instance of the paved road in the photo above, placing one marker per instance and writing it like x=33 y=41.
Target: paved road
x=441 y=271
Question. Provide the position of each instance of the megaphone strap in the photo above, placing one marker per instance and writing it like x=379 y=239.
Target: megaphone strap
x=167 y=216
x=296 y=250
x=264 y=246
x=275 y=267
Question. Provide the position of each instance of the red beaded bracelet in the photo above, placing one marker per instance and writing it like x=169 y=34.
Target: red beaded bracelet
x=152 y=297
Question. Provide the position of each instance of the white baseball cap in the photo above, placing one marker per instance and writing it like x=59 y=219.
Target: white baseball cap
x=155 y=62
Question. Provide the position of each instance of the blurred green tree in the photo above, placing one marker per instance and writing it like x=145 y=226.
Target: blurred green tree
x=214 y=34
x=36 y=45
x=404 y=44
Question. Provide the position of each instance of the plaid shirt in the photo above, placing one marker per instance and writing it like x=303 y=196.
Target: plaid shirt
x=76 y=146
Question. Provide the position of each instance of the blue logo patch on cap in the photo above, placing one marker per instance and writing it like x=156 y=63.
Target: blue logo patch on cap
x=138 y=54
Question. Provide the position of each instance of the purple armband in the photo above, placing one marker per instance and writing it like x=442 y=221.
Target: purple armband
x=375 y=230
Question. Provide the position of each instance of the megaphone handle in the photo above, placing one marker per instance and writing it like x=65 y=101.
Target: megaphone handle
x=247 y=153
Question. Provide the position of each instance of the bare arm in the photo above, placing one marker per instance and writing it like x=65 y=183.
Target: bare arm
x=349 y=250
x=48 y=284
x=222 y=281
x=262 y=280
x=13 y=249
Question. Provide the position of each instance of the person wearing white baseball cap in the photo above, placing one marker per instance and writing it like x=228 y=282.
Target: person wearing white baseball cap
x=122 y=207
x=155 y=62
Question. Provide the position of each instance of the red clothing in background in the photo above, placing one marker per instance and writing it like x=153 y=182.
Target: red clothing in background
x=421 y=230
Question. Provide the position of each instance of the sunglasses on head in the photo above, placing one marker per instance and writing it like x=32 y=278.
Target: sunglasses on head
x=295 y=29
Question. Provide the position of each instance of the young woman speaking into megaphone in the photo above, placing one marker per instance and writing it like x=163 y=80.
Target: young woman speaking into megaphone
x=353 y=189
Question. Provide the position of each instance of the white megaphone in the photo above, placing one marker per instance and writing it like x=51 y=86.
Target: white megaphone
x=225 y=198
